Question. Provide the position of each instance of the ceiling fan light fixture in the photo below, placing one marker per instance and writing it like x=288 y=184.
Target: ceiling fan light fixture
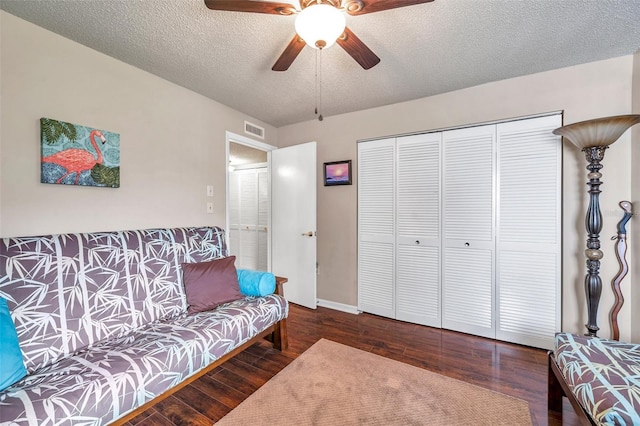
x=320 y=25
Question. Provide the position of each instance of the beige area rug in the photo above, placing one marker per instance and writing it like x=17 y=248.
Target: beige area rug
x=334 y=384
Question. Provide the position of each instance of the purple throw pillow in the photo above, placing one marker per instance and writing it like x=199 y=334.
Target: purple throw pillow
x=209 y=284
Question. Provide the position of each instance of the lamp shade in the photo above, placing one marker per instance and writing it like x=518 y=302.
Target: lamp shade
x=320 y=25
x=597 y=132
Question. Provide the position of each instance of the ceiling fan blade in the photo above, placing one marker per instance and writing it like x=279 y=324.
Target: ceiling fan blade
x=357 y=49
x=360 y=7
x=290 y=54
x=252 y=6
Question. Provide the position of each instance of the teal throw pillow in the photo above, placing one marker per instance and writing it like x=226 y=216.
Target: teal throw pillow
x=11 y=368
x=256 y=283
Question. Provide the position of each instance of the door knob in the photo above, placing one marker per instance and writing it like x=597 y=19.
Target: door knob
x=467 y=244
x=308 y=234
x=417 y=241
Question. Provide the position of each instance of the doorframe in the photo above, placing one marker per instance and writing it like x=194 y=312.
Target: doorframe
x=243 y=140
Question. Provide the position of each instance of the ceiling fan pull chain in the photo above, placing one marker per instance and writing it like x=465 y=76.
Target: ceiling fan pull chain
x=318 y=93
x=320 y=118
x=316 y=84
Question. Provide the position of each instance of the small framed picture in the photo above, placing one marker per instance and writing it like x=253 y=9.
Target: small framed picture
x=337 y=173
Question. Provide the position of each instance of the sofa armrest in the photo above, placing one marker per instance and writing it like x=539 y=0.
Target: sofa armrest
x=280 y=285
x=280 y=335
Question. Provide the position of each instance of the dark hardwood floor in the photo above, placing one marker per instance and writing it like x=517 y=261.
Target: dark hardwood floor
x=511 y=369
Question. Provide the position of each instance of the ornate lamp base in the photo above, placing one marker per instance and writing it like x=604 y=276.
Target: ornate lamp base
x=593 y=224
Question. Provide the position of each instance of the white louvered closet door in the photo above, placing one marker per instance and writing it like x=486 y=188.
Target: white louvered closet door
x=529 y=231
x=262 y=228
x=234 y=214
x=418 y=229
x=248 y=218
x=248 y=256
x=468 y=228
x=376 y=238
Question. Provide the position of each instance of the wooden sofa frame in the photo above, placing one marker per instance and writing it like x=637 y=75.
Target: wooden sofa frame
x=558 y=388
x=277 y=334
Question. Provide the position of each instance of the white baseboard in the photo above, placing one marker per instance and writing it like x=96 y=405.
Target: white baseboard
x=350 y=309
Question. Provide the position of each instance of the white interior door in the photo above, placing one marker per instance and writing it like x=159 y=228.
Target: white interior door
x=293 y=209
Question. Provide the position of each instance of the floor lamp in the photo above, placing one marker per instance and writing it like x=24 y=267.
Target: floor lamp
x=593 y=137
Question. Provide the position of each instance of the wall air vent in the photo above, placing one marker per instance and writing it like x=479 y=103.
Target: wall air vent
x=254 y=130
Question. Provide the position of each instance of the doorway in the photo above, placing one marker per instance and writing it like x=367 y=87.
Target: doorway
x=249 y=202
x=280 y=215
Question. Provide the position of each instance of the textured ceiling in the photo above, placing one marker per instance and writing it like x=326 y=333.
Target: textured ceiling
x=424 y=49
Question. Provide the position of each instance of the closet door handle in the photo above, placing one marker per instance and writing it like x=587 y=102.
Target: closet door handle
x=467 y=244
x=417 y=241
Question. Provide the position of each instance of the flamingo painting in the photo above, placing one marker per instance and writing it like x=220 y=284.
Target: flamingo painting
x=78 y=161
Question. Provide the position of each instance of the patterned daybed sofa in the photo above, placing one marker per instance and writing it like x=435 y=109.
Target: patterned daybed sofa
x=103 y=327
x=600 y=377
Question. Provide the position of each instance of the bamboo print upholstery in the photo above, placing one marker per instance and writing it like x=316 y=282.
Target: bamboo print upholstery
x=604 y=375
x=101 y=320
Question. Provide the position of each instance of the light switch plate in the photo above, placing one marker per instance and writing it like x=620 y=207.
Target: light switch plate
x=209 y=191
x=209 y=207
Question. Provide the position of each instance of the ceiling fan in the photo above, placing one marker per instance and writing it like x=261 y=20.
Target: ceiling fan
x=319 y=23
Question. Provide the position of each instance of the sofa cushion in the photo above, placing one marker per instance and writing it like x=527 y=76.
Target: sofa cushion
x=11 y=367
x=210 y=284
x=103 y=383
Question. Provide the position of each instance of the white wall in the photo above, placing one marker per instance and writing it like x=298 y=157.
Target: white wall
x=633 y=279
x=172 y=140
x=1 y=44
x=587 y=91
